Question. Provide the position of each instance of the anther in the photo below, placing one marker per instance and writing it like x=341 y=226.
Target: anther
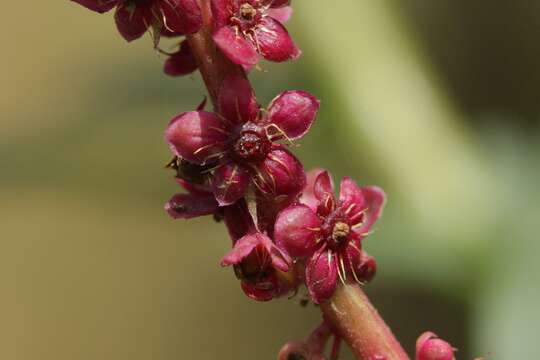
x=340 y=232
x=247 y=12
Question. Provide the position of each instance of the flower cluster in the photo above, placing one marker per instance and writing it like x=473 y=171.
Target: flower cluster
x=234 y=162
x=164 y=17
x=298 y=219
x=287 y=227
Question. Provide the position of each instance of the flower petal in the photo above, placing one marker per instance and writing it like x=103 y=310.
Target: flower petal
x=181 y=62
x=277 y=3
x=274 y=42
x=359 y=265
x=296 y=230
x=247 y=244
x=323 y=186
x=237 y=101
x=280 y=174
x=180 y=16
x=242 y=248
x=374 y=200
x=197 y=136
x=280 y=260
x=281 y=14
x=131 y=21
x=308 y=195
x=220 y=12
x=193 y=188
x=321 y=276
x=324 y=192
x=230 y=183
x=238 y=220
x=187 y=206
x=260 y=293
x=352 y=200
x=239 y=50
x=293 y=112
x=100 y=6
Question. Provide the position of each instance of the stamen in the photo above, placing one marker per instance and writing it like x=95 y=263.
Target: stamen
x=287 y=170
x=220 y=130
x=355 y=247
x=343 y=267
x=355 y=275
x=280 y=133
x=349 y=209
x=339 y=270
x=202 y=148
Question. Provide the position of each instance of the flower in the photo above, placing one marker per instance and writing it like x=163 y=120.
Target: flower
x=134 y=17
x=199 y=200
x=247 y=29
x=329 y=232
x=430 y=347
x=241 y=140
x=181 y=62
x=256 y=262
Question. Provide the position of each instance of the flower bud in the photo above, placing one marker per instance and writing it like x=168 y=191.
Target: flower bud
x=430 y=347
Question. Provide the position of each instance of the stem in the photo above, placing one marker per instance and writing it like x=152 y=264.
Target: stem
x=213 y=65
x=360 y=325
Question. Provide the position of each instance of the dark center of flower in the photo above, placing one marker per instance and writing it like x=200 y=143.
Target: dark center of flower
x=255 y=269
x=340 y=232
x=336 y=230
x=251 y=146
x=246 y=17
x=247 y=12
x=296 y=356
x=138 y=2
x=193 y=173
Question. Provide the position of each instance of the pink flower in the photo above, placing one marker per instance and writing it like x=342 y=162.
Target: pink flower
x=430 y=347
x=241 y=140
x=181 y=62
x=135 y=17
x=328 y=231
x=247 y=29
x=256 y=261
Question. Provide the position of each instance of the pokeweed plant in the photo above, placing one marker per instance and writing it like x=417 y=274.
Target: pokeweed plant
x=287 y=227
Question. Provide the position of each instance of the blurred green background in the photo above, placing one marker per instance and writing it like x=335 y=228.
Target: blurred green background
x=437 y=101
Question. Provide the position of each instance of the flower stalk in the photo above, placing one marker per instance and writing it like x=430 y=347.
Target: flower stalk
x=213 y=65
x=357 y=321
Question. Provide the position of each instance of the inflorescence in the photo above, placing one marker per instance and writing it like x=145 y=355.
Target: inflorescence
x=287 y=227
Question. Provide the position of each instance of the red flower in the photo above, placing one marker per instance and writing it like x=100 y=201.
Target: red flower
x=241 y=140
x=247 y=29
x=329 y=233
x=134 y=17
x=256 y=261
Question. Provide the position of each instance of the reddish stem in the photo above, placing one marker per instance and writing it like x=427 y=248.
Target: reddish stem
x=356 y=320
x=213 y=65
